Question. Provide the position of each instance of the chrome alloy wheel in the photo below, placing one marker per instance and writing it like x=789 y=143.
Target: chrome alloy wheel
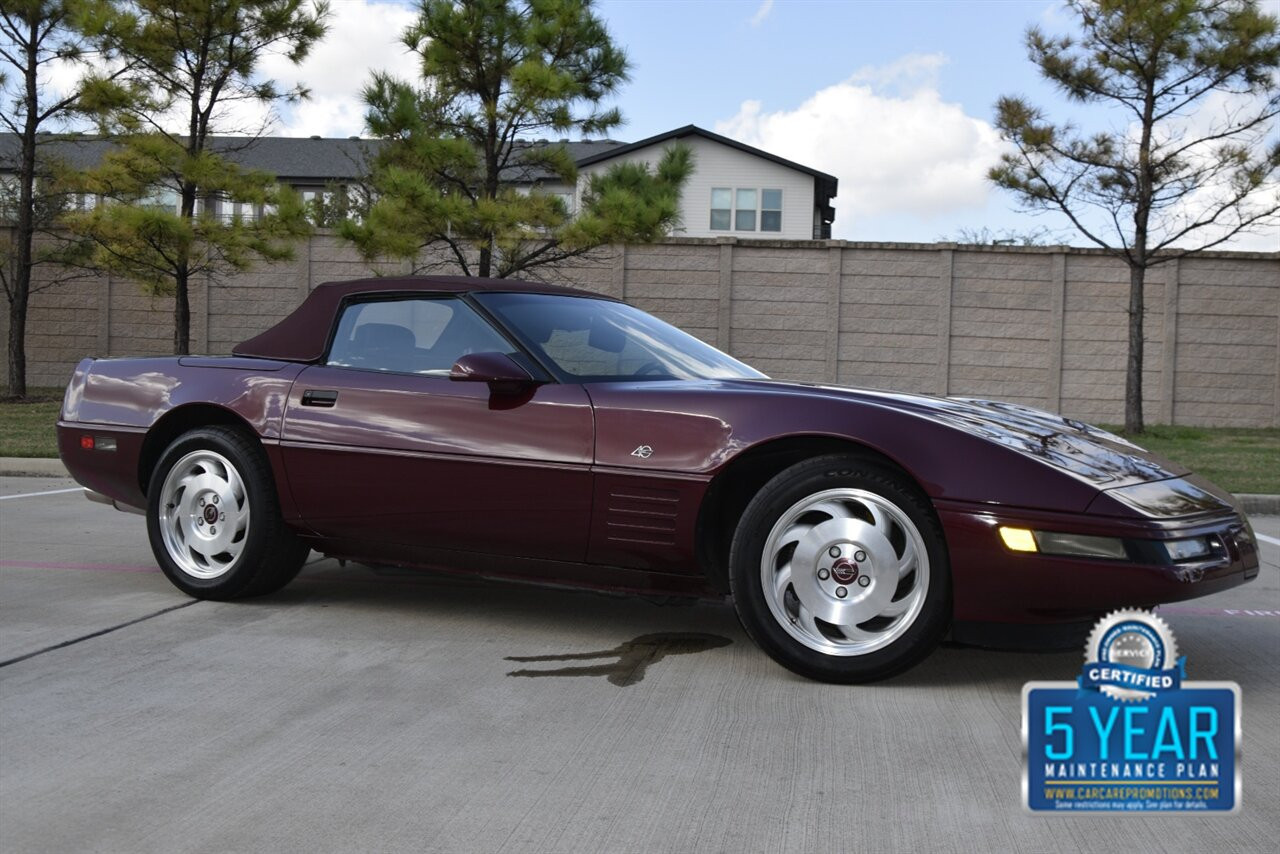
x=204 y=514
x=845 y=571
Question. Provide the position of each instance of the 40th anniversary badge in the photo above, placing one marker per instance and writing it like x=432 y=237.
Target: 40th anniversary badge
x=1131 y=734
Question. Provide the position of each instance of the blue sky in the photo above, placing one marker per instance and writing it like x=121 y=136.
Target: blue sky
x=717 y=56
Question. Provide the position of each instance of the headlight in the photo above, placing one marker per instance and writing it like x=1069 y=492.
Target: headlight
x=1155 y=552
x=1054 y=543
x=1081 y=545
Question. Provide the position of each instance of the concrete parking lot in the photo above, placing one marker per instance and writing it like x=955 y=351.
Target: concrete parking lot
x=364 y=710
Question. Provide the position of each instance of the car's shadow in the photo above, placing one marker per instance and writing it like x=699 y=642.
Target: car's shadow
x=541 y=620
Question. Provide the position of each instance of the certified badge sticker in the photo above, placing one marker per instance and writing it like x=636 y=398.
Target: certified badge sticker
x=1131 y=655
x=1131 y=734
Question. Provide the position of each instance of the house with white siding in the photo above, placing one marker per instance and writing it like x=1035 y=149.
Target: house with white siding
x=735 y=189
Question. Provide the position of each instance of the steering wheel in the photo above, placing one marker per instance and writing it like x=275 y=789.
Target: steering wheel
x=653 y=366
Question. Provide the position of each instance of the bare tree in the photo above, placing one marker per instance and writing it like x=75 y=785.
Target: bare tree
x=1181 y=175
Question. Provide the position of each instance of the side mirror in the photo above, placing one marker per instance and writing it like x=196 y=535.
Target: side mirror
x=499 y=370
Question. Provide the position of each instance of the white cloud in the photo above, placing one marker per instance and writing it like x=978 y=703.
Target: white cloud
x=364 y=36
x=1216 y=113
x=904 y=76
x=761 y=13
x=886 y=133
x=1057 y=17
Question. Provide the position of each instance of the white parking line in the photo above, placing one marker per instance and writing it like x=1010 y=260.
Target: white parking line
x=1267 y=539
x=36 y=494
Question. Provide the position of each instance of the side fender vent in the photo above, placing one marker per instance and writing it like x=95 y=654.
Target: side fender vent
x=642 y=515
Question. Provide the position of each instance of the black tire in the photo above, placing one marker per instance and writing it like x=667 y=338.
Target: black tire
x=260 y=557
x=919 y=628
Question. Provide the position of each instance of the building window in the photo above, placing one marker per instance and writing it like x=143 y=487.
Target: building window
x=721 y=208
x=744 y=214
x=771 y=210
x=161 y=198
x=9 y=196
x=244 y=211
x=567 y=200
x=737 y=208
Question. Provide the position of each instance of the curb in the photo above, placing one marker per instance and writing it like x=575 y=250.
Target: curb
x=1260 y=505
x=1253 y=504
x=32 y=467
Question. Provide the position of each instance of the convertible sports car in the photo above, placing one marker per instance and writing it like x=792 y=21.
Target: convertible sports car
x=528 y=431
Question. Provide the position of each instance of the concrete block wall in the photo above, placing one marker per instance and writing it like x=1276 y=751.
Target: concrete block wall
x=891 y=321
x=1096 y=338
x=779 y=310
x=1002 y=330
x=1043 y=326
x=1228 y=354
x=61 y=322
x=679 y=283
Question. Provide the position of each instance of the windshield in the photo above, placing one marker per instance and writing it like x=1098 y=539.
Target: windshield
x=593 y=340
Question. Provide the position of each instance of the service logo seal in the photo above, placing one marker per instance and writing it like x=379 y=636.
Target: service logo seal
x=1132 y=655
x=1130 y=734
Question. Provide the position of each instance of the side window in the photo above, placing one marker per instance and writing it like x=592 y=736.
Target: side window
x=411 y=336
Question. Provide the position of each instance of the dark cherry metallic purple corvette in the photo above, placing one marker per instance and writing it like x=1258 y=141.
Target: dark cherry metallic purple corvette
x=529 y=431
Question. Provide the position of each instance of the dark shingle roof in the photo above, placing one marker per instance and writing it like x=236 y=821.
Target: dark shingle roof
x=285 y=157
x=295 y=159
x=580 y=150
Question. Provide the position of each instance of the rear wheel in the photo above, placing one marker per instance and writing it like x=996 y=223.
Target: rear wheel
x=214 y=519
x=839 y=571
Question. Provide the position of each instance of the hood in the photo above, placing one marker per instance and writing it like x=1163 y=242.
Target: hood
x=1093 y=455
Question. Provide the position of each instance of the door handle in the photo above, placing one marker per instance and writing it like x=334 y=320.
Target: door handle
x=319 y=397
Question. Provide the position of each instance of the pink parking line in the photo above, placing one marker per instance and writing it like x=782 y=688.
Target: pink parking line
x=1217 y=612
x=97 y=567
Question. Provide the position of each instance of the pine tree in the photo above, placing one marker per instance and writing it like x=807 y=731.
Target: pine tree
x=454 y=173
x=36 y=35
x=179 y=206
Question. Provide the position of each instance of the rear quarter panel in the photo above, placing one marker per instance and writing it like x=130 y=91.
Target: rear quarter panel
x=138 y=392
x=124 y=399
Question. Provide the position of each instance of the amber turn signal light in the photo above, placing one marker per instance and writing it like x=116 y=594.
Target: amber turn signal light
x=1018 y=539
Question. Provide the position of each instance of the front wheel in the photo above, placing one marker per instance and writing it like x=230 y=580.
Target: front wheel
x=214 y=521
x=839 y=571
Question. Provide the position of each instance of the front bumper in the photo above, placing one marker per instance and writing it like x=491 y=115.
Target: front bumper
x=993 y=584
